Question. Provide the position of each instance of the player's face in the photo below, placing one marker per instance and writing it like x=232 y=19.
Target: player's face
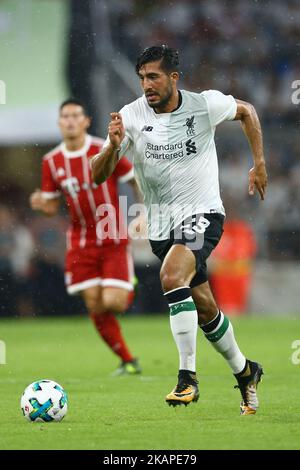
x=159 y=86
x=72 y=121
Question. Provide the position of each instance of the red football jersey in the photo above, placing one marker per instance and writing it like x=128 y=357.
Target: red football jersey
x=94 y=210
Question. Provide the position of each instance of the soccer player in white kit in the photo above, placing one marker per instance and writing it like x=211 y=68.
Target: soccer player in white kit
x=170 y=135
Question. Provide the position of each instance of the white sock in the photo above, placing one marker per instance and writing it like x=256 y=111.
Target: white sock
x=220 y=333
x=184 y=326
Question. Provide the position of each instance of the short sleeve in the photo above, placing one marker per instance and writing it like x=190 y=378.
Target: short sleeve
x=220 y=107
x=124 y=170
x=50 y=188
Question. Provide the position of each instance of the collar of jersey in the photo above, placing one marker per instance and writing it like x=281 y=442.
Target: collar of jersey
x=158 y=115
x=77 y=153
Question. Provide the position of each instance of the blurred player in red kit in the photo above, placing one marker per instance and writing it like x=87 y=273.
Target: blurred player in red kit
x=99 y=264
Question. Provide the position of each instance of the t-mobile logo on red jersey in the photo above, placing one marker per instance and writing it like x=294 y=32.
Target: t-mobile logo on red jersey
x=71 y=185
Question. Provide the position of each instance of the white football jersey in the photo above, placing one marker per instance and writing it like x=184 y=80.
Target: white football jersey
x=174 y=156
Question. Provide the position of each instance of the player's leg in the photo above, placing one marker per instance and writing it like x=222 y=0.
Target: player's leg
x=116 y=299
x=103 y=304
x=84 y=277
x=218 y=329
x=177 y=270
x=117 y=295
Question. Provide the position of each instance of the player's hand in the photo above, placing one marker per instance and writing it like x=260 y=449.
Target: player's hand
x=36 y=200
x=116 y=130
x=258 y=179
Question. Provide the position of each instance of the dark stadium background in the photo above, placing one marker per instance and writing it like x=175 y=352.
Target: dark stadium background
x=52 y=49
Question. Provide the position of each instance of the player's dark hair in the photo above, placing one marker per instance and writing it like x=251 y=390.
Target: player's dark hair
x=169 y=58
x=76 y=102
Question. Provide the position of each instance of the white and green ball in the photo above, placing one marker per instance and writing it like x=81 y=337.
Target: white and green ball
x=44 y=401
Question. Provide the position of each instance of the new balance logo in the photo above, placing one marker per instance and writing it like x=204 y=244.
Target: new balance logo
x=147 y=129
x=190 y=147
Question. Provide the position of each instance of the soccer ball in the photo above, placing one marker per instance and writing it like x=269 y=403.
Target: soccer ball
x=44 y=401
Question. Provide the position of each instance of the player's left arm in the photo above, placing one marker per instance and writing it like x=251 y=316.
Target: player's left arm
x=138 y=226
x=136 y=191
x=125 y=174
x=258 y=178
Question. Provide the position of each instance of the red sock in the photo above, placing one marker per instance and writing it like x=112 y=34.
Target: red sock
x=131 y=295
x=109 y=329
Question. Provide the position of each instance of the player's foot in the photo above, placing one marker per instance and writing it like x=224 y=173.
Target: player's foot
x=248 y=388
x=128 y=368
x=185 y=391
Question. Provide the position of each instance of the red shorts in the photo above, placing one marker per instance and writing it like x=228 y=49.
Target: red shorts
x=104 y=266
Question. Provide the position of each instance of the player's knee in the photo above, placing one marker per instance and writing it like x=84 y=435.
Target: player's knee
x=94 y=305
x=171 y=280
x=116 y=303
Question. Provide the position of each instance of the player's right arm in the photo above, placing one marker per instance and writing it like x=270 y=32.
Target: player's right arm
x=224 y=107
x=48 y=207
x=104 y=163
x=47 y=199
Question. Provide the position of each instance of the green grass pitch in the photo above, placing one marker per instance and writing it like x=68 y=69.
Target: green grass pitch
x=130 y=412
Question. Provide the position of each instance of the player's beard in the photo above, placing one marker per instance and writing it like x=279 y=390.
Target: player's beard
x=163 y=100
